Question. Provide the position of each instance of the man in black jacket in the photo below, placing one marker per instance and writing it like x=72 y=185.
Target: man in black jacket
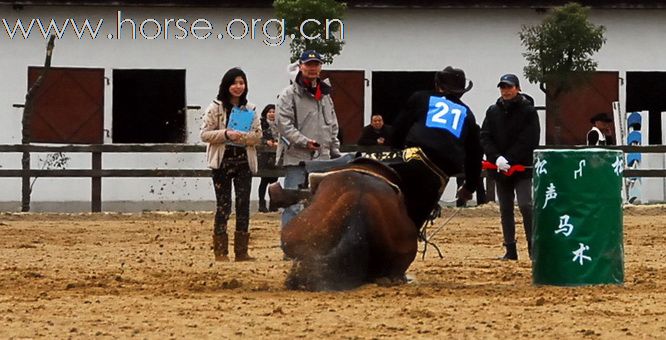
x=377 y=133
x=601 y=130
x=445 y=129
x=509 y=135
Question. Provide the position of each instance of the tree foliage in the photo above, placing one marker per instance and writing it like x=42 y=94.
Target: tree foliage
x=560 y=49
x=295 y=12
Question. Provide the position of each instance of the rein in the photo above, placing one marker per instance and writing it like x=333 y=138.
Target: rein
x=423 y=235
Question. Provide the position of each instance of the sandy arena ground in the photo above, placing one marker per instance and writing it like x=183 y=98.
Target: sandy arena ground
x=152 y=275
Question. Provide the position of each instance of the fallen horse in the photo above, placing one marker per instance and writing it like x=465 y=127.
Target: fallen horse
x=355 y=228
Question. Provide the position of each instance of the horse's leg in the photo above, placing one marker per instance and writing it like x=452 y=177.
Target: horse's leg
x=317 y=228
x=329 y=239
x=346 y=265
x=393 y=238
x=303 y=275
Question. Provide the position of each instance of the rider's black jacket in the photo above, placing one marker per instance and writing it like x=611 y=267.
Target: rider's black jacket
x=451 y=154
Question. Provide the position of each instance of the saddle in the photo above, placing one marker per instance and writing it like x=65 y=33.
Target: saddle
x=282 y=198
x=364 y=166
x=374 y=164
x=315 y=166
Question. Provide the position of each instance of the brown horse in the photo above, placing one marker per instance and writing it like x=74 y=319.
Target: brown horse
x=355 y=230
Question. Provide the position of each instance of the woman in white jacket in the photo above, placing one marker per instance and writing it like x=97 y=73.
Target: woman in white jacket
x=232 y=156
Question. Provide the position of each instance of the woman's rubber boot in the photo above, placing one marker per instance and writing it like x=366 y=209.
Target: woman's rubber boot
x=221 y=247
x=241 y=241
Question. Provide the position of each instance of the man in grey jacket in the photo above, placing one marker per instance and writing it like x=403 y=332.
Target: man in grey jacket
x=307 y=125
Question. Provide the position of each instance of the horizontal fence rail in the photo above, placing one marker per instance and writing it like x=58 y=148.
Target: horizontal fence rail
x=96 y=173
x=197 y=148
x=157 y=148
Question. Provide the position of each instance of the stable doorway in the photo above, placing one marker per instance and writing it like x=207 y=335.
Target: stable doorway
x=149 y=106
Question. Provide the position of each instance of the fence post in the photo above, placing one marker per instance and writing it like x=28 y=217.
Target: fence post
x=96 y=199
x=25 y=182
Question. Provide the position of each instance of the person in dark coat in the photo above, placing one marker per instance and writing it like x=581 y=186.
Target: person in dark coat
x=267 y=159
x=377 y=133
x=444 y=128
x=600 y=133
x=509 y=135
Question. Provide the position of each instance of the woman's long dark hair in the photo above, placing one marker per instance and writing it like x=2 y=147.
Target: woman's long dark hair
x=228 y=79
x=268 y=107
x=265 y=126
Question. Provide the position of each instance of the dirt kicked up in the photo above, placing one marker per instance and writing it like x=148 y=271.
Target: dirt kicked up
x=152 y=275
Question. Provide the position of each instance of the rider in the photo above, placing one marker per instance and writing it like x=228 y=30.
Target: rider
x=444 y=128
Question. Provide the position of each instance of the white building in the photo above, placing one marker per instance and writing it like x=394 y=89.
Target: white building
x=381 y=38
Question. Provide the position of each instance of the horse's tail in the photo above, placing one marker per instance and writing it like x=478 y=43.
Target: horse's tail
x=347 y=262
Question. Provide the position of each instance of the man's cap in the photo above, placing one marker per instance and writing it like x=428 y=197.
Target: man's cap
x=310 y=55
x=509 y=79
x=601 y=117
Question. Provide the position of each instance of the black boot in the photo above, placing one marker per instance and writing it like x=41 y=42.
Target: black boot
x=511 y=252
x=262 y=206
x=528 y=236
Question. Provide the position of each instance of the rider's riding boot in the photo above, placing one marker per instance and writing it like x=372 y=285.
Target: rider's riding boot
x=276 y=195
x=511 y=252
x=241 y=240
x=280 y=198
x=221 y=247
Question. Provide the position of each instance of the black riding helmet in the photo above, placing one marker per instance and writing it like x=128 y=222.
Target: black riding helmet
x=452 y=81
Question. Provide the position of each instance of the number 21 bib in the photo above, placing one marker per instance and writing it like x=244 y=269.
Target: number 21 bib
x=447 y=115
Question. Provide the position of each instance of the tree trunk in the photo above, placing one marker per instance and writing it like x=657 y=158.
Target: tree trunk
x=27 y=116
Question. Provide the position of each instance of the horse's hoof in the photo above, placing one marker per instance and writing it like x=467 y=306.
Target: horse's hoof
x=391 y=281
x=383 y=282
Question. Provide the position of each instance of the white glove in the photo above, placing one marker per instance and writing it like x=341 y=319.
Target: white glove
x=502 y=164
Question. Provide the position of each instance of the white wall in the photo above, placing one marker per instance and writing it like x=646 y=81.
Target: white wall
x=654 y=189
x=482 y=42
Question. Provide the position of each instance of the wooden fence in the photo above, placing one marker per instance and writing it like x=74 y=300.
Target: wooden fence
x=96 y=173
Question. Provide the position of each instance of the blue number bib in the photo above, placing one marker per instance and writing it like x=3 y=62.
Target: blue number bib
x=447 y=115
